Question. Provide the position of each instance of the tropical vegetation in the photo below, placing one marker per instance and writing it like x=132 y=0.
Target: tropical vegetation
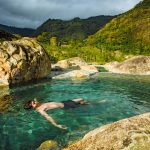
x=129 y=33
x=124 y=36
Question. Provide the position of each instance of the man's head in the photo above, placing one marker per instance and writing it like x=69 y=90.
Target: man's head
x=31 y=104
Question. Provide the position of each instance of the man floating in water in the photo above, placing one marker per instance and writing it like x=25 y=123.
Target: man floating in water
x=43 y=107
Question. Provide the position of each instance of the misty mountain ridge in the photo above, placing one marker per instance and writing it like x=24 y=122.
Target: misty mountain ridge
x=77 y=29
x=5 y=36
x=16 y=30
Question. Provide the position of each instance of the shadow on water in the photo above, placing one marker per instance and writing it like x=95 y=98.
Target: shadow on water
x=113 y=97
x=6 y=99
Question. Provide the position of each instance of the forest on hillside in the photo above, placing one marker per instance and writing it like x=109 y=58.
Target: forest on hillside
x=124 y=36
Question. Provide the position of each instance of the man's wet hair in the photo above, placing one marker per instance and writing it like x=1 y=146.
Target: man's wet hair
x=28 y=105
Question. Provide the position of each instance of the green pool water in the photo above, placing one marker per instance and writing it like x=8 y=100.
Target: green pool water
x=121 y=96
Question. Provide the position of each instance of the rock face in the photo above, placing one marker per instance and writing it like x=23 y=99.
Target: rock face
x=22 y=60
x=136 y=65
x=74 y=68
x=126 y=134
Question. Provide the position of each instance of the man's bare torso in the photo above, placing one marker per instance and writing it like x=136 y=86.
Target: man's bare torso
x=49 y=105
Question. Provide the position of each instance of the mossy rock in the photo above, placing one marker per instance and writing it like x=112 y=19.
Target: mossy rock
x=49 y=145
x=5 y=102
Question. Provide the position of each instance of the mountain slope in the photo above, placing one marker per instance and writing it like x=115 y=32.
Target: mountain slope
x=129 y=32
x=5 y=36
x=14 y=30
x=76 y=28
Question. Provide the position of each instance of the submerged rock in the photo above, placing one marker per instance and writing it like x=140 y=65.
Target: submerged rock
x=136 y=65
x=22 y=60
x=127 y=134
x=49 y=145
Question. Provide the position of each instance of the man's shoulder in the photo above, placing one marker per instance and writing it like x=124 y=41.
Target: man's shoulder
x=40 y=108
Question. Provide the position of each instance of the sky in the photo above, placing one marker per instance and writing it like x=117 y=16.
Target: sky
x=32 y=13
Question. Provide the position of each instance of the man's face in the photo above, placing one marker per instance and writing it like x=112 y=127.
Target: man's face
x=34 y=103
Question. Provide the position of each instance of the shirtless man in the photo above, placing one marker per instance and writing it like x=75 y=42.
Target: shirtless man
x=43 y=107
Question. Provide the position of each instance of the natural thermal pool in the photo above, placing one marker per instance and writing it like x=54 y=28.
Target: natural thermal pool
x=122 y=96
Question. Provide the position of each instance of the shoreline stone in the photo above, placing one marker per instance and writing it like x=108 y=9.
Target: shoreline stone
x=139 y=65
x=127 y=134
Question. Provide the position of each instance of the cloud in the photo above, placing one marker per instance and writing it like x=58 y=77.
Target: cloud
x=32 y=13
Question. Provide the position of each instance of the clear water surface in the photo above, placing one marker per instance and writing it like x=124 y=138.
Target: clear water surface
x=122 y=96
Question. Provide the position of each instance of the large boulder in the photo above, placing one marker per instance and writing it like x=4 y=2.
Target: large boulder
x=89 y=68
x=72 y=68
x=135 y=65
x=70 y=63
x=111 y=65
x=126 y=134
x=82 y=72
x=22 y=60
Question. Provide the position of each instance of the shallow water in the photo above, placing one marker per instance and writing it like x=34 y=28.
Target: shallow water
x=114 y=97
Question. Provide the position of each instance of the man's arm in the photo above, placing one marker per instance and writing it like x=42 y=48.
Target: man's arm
x=51 y=120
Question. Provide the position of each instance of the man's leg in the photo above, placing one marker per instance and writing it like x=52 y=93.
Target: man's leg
x=78 y=100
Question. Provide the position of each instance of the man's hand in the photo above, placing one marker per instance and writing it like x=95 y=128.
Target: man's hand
x=51 y=120
x=62 y=127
